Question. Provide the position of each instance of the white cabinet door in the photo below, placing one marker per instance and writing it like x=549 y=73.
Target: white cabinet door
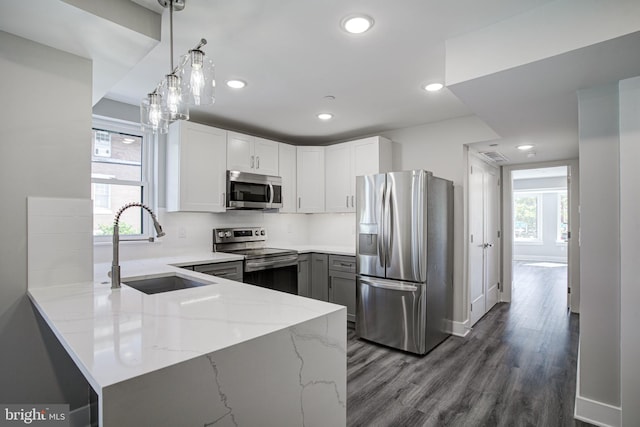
x=350 y=159
x=240 y=152
x=338 y=172
x=196 y=168
x=265 y=156
x=310 y=179
x=287 y=169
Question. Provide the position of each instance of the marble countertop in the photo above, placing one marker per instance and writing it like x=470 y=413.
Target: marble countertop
x=116 y=335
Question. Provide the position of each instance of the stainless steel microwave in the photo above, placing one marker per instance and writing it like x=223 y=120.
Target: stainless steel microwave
x=253 y=191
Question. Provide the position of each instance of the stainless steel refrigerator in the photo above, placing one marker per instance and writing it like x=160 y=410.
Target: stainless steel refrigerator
x=404 y=259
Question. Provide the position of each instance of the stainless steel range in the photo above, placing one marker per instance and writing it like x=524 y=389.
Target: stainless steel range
x=266 y=267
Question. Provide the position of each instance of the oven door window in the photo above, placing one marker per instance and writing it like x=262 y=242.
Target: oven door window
x=247 y=192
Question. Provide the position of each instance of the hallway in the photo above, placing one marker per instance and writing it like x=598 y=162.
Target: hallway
x=516 y=367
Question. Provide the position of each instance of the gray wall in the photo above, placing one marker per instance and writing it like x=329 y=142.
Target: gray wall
x=600 y=245
x=44 y=151
x=630 y=250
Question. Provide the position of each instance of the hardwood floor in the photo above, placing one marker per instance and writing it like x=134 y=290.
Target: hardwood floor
x=517 y=367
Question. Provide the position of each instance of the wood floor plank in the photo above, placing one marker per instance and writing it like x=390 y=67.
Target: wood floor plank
x=517 y=367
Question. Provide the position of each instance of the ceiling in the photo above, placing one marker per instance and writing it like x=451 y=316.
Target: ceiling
x=293 y=54
x=294 y=57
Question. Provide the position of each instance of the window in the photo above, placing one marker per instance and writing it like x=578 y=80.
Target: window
x=563 y=217
x=528 y=217
x=119 y=175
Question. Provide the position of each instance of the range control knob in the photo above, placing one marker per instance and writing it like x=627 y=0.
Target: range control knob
x=227 y=234
x=220 y=234
x=256 y=232
x=262 y=233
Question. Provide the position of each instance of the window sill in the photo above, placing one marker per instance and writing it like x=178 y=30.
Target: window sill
x=528 y=242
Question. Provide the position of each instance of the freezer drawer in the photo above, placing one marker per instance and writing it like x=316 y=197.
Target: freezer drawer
x=392 y=313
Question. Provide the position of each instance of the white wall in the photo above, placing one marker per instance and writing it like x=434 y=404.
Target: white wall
x=599 y=373
x=45 y=144
x=630 y=249
x=440 y=148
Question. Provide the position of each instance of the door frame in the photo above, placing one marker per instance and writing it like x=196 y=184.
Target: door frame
x=573 y=255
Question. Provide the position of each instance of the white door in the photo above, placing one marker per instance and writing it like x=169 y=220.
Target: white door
x=484 y=240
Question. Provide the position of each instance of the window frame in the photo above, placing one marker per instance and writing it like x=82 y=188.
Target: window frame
x=539 y=213
x=146 y=184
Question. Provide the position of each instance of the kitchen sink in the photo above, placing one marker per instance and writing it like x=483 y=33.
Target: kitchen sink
x=156 y=285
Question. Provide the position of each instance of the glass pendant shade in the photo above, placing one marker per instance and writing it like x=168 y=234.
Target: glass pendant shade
x=174 y=106
x=198 y=84
x=151 y=117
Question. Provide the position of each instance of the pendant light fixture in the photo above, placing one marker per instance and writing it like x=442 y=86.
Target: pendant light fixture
x=191 y=82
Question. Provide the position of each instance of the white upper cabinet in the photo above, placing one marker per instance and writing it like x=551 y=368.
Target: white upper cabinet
x=196 y=168
x=247 y=153
x=310 y=179
x=287 y=168
x=350 y=159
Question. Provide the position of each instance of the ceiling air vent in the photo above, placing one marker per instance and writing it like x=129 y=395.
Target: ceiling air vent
x=494 y=156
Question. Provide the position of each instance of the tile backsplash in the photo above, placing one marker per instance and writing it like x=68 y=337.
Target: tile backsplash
x=59 y=241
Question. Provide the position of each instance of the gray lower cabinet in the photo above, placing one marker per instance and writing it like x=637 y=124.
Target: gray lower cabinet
x=320 y=277
x=304 y=275
x=342 y=283
x=227 y=270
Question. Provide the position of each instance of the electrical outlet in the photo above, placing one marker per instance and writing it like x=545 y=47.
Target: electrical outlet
x=182 y=233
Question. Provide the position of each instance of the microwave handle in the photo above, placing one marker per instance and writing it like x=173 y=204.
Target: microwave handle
x=270 y=193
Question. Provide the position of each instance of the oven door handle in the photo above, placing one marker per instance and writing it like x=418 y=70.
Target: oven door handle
x=265 y=265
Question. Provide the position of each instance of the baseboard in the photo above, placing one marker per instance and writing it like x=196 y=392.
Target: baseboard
x=460 y=329
x=592 y=411
x=540 y=258
x=597 y=413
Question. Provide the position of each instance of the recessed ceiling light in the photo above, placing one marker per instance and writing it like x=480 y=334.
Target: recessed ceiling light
x=525 y=147
x=325 y=116
x=357 y=24
x=128 y=140
x=236 y=84
x=433 y=87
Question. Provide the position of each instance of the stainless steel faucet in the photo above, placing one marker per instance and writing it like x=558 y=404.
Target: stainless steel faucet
x=115 y=264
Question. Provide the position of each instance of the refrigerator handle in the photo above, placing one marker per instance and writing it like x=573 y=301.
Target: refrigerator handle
x=388 y=225
x=381 y=250
x=405 y=287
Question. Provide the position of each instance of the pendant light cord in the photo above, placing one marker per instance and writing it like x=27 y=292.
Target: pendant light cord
x=171 y=31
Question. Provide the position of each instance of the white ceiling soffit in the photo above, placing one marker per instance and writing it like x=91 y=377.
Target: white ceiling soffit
x=529 y=94
x=115 y=35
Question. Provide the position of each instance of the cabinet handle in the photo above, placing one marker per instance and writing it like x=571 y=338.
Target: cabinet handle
x=257 y=162
x=299 y=202
x=224 y=200
x=252 y=162
x=352 y=201
x=347 y=201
